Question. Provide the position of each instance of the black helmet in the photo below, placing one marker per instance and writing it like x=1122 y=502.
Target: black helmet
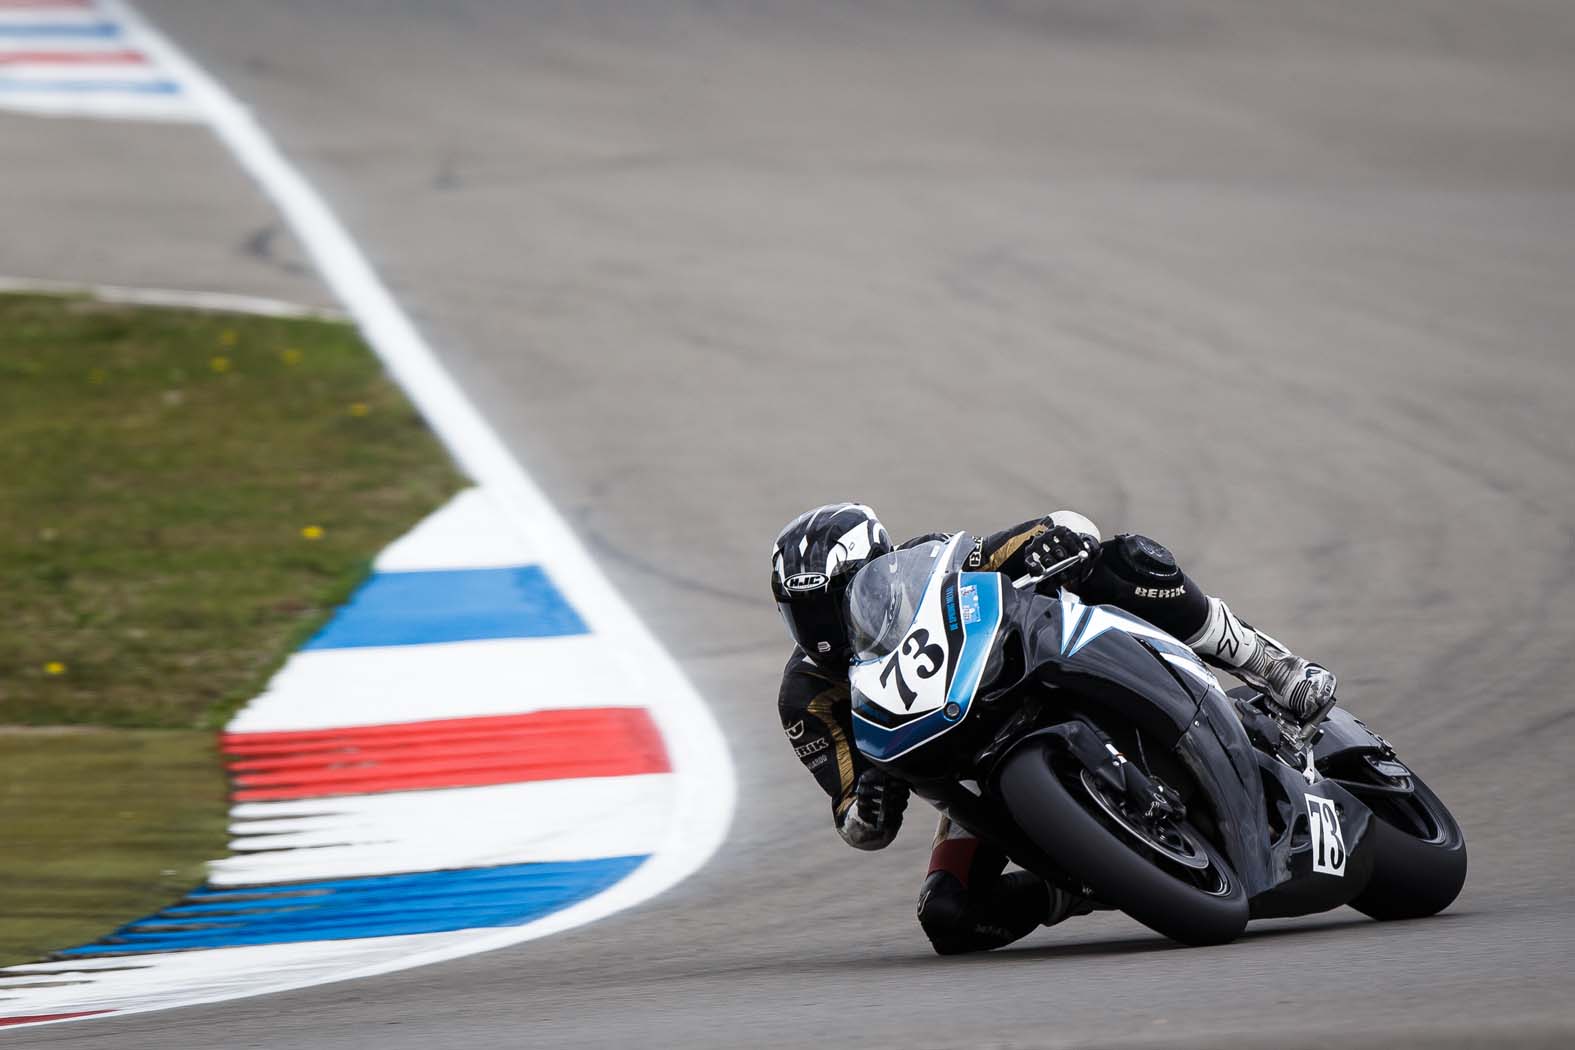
x=815 y=556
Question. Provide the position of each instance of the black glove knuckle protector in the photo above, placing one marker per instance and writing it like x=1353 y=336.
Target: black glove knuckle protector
x=1056 y=544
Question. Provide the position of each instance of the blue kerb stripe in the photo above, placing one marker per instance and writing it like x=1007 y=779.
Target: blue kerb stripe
x=140 y=87
x=380 y=906
x=72 y=29
x=414 y=608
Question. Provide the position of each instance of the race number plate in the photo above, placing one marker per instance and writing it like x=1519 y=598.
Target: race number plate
x=913 y=679
x=1328 y=854
x=926 y=687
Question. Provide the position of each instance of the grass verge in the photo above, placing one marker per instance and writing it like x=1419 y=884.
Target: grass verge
x=184 y=499
x=101 y=826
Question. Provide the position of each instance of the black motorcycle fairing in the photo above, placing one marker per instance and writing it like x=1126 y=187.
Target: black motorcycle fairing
x=1091 y=748
x=1114 y=669
x=1130 y=676
x=1118 y=678
x=1221 y=758
x=1341 y=733
x=1296 y=888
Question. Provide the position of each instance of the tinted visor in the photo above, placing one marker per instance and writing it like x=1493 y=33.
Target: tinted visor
x=815 y=622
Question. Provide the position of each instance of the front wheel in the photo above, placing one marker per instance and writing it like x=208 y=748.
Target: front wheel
x=1167 y=876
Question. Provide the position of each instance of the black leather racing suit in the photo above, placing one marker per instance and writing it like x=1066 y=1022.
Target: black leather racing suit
x=968 y=902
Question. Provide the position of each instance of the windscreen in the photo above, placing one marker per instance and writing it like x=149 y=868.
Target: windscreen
x=884 y=597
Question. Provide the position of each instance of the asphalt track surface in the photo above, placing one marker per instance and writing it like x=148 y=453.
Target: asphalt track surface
x=1290 y=287
x=140 y=205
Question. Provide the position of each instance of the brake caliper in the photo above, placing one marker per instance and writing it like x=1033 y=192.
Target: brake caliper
x=1151 y=797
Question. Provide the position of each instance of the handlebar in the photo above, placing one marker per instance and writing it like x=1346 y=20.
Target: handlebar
x=1055 y=570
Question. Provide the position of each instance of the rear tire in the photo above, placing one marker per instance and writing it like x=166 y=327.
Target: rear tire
x=1113 y=861
x=1419 y=858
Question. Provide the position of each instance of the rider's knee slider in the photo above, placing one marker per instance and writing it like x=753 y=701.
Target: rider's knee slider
x=943 y=912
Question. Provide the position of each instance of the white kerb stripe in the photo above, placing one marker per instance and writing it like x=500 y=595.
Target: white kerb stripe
x=127 y=984
x=342 y=688
x=470 y=531
x=33 y=18
x=358 y=835
x=43 y=73
x=69 y=44
x=110 y=105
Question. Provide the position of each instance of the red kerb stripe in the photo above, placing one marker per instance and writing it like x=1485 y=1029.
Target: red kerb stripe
x=308 y=739
x=35 y=1018
x=454 y=752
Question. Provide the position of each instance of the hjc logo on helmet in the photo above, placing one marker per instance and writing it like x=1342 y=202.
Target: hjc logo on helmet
x=805 y=581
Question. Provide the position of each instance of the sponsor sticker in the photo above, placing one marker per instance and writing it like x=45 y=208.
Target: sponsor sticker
x=969 y=599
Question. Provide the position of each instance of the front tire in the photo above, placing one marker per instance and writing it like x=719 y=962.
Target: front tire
x=1058 y=812
x=1419 y=857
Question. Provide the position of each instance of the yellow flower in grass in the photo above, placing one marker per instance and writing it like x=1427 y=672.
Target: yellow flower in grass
x=228 y=337
x=291 y=356
x=312 y=532
x=54 y=667
x=220 y=364
x=360 y=408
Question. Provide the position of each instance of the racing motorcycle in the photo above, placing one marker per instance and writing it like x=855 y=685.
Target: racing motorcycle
x=1099 y=752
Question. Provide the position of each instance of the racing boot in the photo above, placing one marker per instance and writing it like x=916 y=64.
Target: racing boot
x=959 y=919
x=967 y=904
x=1064 y=906
x=1299 y=689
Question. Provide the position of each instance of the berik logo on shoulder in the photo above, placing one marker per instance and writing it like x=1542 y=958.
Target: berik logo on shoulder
x=805 y=581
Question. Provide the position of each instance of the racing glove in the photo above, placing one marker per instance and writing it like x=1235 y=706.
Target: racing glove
x=875 y=816
x=1056 y=544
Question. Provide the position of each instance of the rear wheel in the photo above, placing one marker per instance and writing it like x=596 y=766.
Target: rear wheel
x=1164 y=873
x=1419 y=851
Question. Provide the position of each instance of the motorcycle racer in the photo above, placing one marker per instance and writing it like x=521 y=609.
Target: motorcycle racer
x=968 y=901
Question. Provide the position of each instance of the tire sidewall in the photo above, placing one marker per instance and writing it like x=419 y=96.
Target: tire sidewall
x=1413 y=879
x=1045 y=809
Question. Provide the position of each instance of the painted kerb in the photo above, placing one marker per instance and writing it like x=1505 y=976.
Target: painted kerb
x=498 y=549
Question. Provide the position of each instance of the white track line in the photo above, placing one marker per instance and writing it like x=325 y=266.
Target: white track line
x=217 y=302
x=703 y=770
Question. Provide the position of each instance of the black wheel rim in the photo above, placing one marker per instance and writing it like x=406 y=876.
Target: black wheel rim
x=1174 y=846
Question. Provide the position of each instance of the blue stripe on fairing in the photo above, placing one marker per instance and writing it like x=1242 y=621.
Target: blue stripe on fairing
x=77 y=87
x=32 y=30
x=379 y=906
x=460 y=605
